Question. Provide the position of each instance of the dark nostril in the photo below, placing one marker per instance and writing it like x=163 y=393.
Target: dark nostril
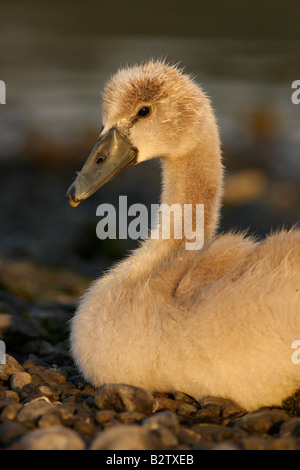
x=99 y=160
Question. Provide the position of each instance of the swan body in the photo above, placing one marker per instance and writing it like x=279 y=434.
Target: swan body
x=219 y=321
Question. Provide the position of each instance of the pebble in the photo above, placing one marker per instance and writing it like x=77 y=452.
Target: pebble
x=34 y=410
x=48 y=420
x=164 y=403
x=52 y=438
x=165 y=419
x=126 y=437
x=260 y=443
x=128 y=417
x=85 y=428
x=45 y=403
x=10 y=411
x=188 y=437
x=103 y=416
x=290 y=427
x=11 y=430
x=11 y=395
x=206 y=431
x=122 y=397
x=166 y=437
x=186 y=409
x=49 y=376
x=49 y=392
x=11 y=366
x=180 y=396
x=18 y=380
x=261 y=422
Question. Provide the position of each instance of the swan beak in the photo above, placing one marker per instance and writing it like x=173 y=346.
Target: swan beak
x=110 y=156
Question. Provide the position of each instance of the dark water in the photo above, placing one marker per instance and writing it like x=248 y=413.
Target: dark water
x=55 y=57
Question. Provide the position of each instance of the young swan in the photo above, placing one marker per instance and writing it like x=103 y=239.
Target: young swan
x=218 y=321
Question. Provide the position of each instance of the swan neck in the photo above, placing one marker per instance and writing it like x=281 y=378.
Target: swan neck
x=196 y=178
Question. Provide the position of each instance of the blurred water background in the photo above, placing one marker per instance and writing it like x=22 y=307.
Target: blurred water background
x=55 y=57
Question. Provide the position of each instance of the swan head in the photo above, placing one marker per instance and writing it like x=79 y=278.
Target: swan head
x=148 y=111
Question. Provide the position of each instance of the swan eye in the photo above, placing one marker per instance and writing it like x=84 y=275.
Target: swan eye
x=143 y=112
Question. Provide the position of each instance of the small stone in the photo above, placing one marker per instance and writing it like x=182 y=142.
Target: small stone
x=4 y=403
x=11 y=430
x=291 y=427
x=284 y=443
x=202 y=445
x=85 y=428
x=3 y=389
x=11 y=366
x=34 y=410
x=230 y=409
x=233 y=433
x=207 y=432
x=261 y=443
x=69 y=399
x=164 y=403
x=166 y=419
x=122 y=397
x=78 y=381
x=9 y=412
x=52 y=438
x=260 y=422
x=50 y=376
x=89 y=390
x=37 y=380
x=29 y=363
x=128 y=417
x=103 y=416
x=212 y=405
x=208 y=415
x=126 y=437
x=18 y=380
x=225 y=446
x=37 y=369
x=90 y=401
x=186 y=409
x=29 y=391
x=11 y=395
x=166 y=437
x=187 y=436
x=49 y=420
x=66 y=411
x=49 y=392
x=68 y=389
x=183 y=397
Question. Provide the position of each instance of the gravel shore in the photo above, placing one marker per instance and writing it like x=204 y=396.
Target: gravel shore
x=46 y=404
